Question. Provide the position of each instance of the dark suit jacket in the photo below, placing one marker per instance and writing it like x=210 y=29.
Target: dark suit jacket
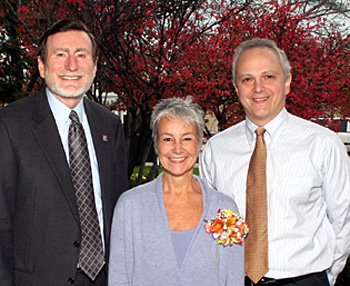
x=39 y=220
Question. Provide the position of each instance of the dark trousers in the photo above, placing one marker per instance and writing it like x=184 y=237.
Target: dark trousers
x=314 y=279
x=81 y=279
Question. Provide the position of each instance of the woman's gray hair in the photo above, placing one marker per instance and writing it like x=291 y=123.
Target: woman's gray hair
x=175 y=107
x=260 y=43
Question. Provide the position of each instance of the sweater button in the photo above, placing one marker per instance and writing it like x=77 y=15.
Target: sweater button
x=71 y=281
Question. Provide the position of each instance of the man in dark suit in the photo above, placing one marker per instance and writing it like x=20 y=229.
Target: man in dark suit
x=41 y=233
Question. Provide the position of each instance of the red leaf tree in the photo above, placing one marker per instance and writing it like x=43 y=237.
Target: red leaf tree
x=151 y=50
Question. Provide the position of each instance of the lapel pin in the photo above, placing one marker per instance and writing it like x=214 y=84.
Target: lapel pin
x=104 y=138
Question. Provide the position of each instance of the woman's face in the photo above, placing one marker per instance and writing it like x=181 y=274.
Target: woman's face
x=178 y=146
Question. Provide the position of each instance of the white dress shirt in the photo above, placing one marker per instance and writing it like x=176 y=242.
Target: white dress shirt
x=61 y=114
x=308 y=191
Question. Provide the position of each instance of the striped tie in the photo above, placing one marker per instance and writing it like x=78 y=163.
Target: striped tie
x=91 y=258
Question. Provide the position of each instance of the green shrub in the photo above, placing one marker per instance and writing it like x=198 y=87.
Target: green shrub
x=135 y=174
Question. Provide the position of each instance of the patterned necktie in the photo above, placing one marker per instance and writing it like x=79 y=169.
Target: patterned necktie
x=91 y=258
x=256 y=248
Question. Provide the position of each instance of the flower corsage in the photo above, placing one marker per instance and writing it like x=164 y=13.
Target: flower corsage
x=227 y=227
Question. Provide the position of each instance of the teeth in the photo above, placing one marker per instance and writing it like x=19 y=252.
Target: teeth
x=260 y=99
x=70 y=77
x=177 y=159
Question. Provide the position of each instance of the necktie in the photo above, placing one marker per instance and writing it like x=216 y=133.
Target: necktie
x=256 y=248
x=91 y=258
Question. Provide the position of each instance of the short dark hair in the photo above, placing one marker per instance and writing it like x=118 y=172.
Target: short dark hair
x=64 y=26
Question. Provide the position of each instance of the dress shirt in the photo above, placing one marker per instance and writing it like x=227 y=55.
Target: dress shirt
x=61 y=114
x=308 y=191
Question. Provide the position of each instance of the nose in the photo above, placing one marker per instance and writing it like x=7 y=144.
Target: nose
x=177 y=147
x=71 y=63
x=259 y=86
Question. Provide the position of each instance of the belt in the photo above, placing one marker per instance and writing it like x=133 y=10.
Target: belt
x=276 y=282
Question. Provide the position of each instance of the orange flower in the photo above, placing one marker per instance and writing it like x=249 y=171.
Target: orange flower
x=217 y=226
x=228 y=228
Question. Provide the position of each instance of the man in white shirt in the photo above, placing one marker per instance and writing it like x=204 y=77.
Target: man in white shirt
x=307 y=173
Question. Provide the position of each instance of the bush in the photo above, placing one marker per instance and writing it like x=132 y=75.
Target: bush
x=135 y=174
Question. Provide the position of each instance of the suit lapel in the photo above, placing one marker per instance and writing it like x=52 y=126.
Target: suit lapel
x=48 y=138
x=101 y=137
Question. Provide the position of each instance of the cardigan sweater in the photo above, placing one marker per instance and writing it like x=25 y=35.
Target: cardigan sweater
x=141 y=246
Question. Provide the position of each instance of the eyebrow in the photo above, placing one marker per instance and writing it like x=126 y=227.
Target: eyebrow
x=270 y=71
x=171 y=134
x=67 y=50
x=264 y=72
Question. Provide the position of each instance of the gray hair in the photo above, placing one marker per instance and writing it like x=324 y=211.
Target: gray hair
x=183 y=109
x=261 y=43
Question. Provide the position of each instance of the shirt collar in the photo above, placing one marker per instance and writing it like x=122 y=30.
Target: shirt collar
x=273 y=127
x=61 y=111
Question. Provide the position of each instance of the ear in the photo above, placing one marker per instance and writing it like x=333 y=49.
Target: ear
x=287 y=84
x=41 y=67
x=95 y=67
x=236 y=87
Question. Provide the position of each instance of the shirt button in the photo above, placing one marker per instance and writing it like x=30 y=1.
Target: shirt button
x=76 y=243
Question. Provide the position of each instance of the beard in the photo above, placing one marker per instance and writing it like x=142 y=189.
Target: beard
x=72 y=91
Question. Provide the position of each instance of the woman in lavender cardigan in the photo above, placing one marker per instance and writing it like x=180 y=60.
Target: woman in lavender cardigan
x=158 y=235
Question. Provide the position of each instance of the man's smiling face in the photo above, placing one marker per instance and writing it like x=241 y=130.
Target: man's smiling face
x=69 y=69
x=261 y=85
